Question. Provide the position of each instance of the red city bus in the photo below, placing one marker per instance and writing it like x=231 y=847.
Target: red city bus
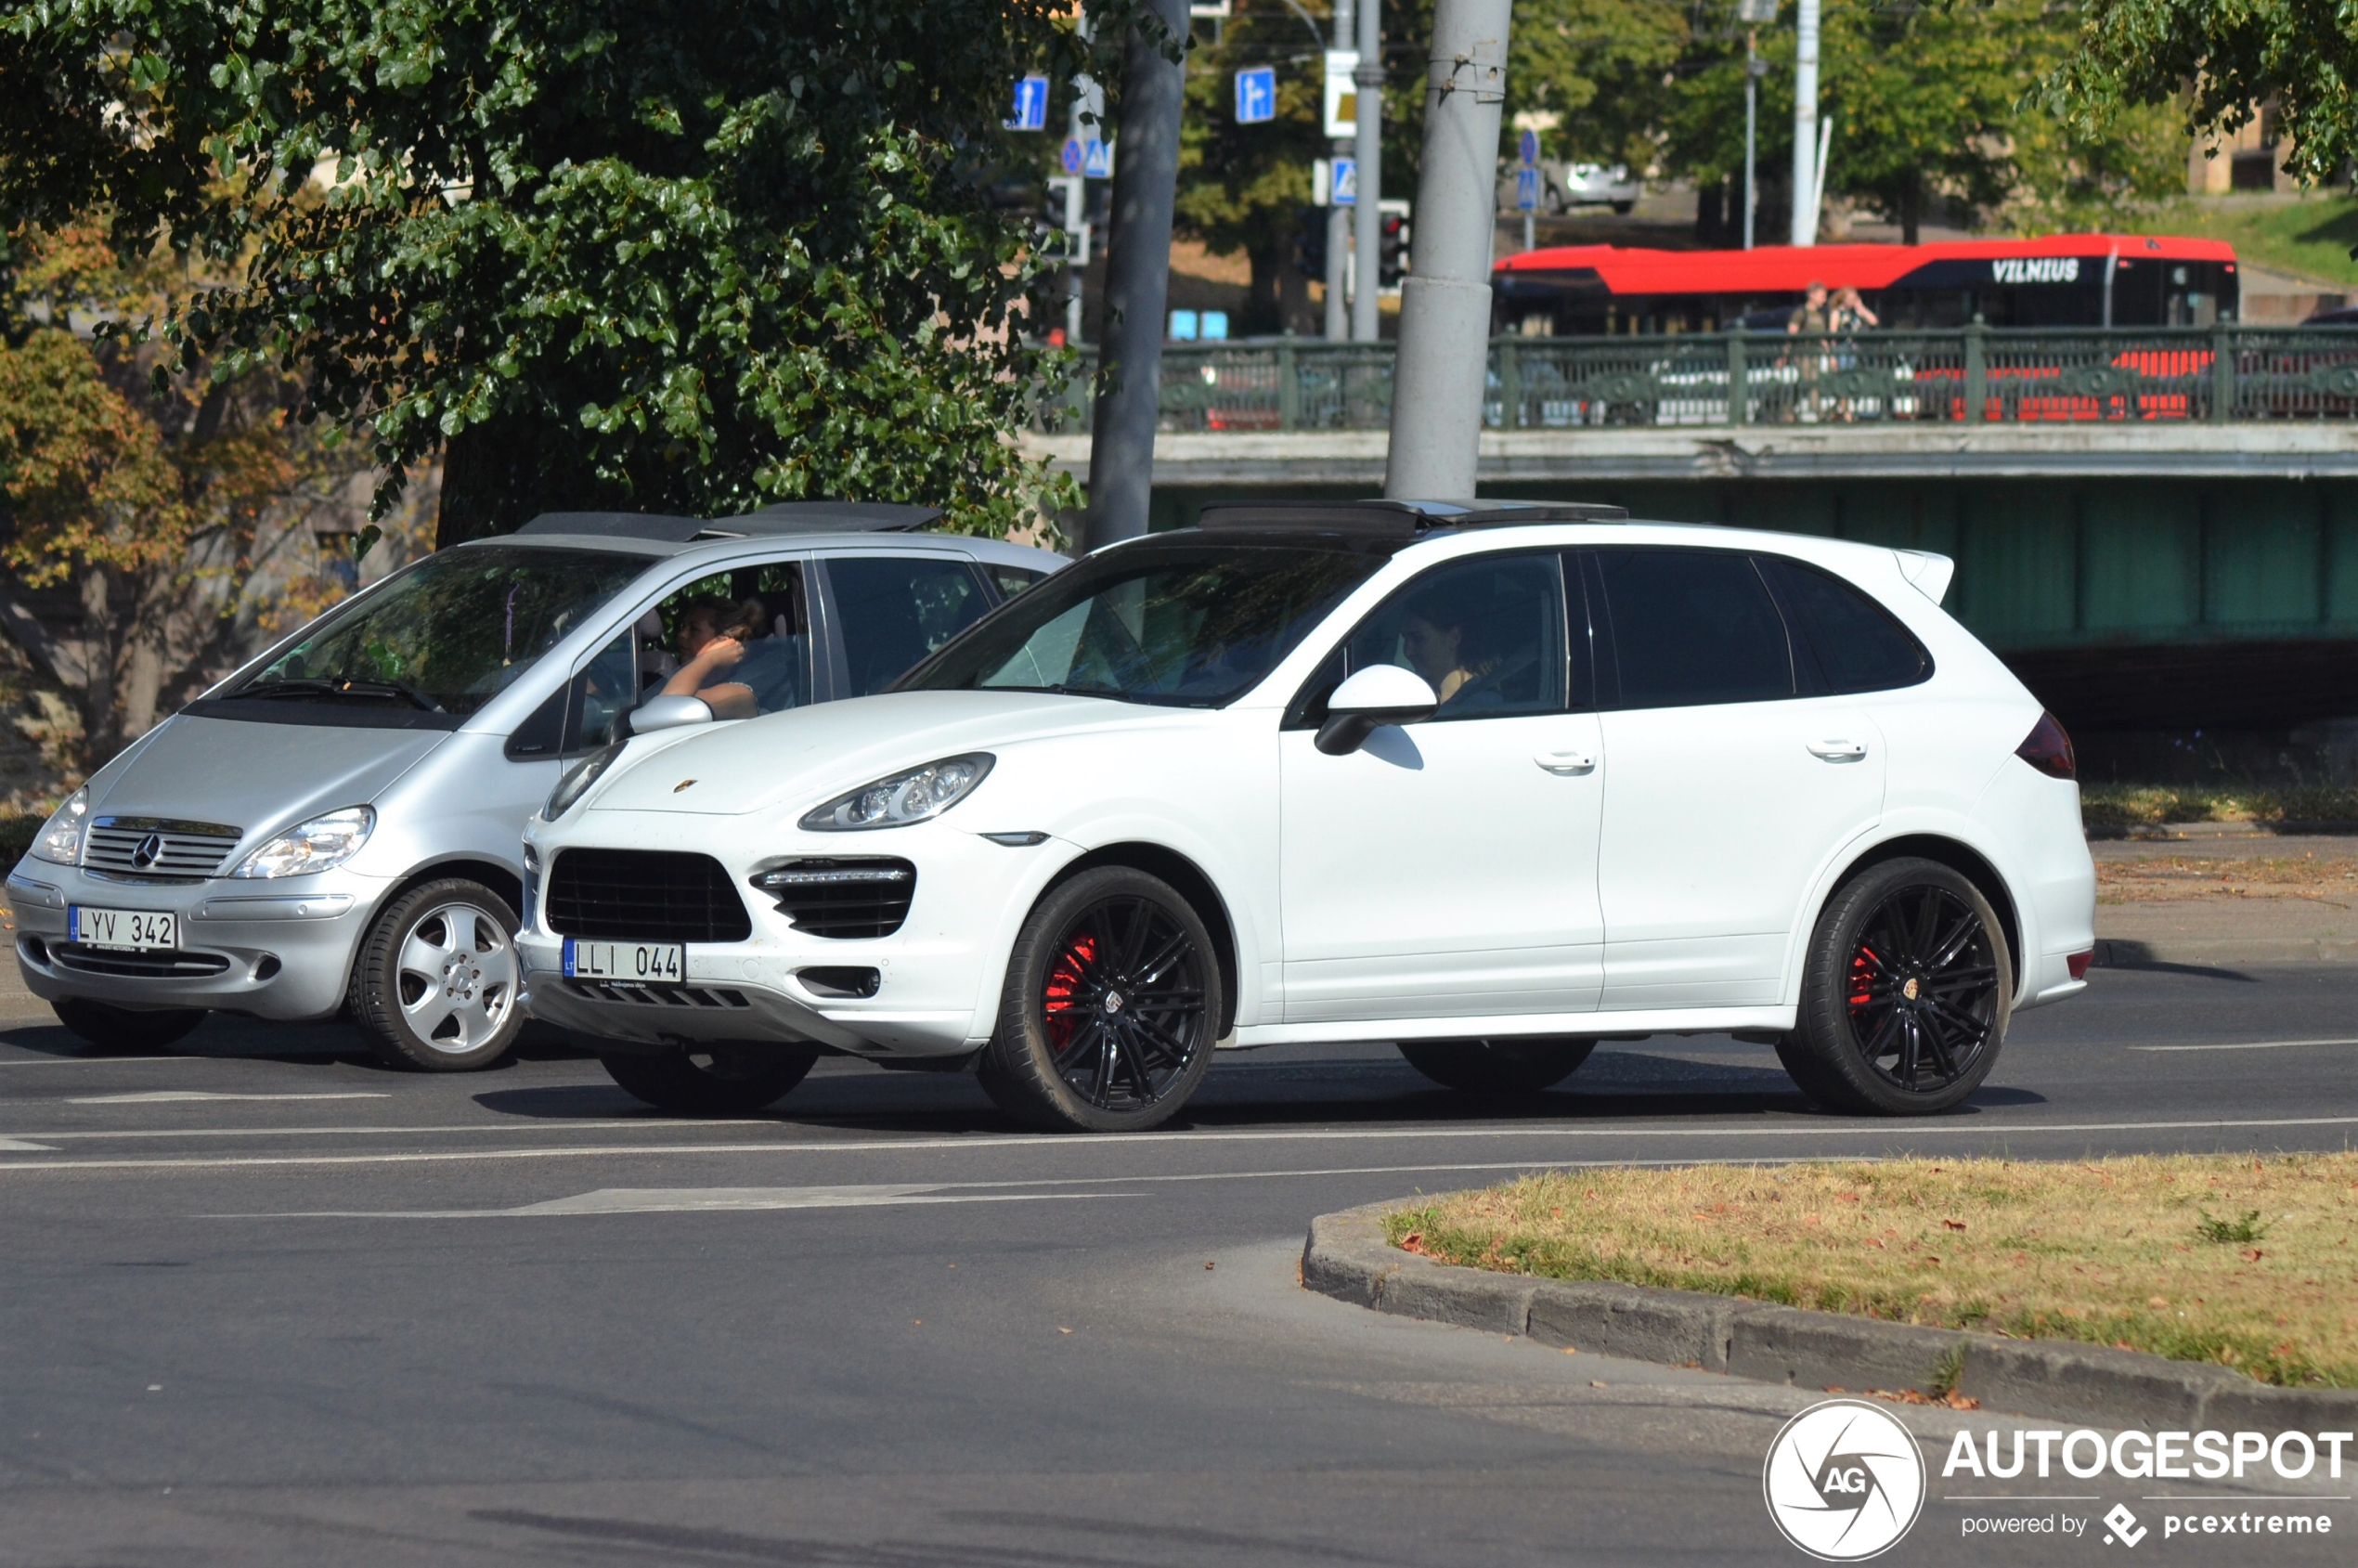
x=2056 y=280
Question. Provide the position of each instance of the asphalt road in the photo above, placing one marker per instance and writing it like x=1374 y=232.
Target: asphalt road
x=266 y=1303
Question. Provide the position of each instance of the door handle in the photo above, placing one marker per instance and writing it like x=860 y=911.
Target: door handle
x=1566 y=761
x=1838 y=751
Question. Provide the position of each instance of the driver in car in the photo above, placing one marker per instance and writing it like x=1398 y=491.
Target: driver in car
x=712 y=637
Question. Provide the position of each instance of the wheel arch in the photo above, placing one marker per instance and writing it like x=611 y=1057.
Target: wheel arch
x=1189 y=881
x=1959 y=857
x=491 y=873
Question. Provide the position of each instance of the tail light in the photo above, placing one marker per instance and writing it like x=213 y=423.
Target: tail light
x=2049 y=749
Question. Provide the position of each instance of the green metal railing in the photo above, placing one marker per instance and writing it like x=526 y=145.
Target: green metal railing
x=1969 y=375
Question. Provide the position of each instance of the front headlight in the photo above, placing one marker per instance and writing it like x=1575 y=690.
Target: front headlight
x=321 y=844
x=60 y=837
x=577 y=782
x=902 y=798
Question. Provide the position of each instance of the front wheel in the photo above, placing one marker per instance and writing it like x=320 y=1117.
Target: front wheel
x=434 y=987
x=1112 y=1002
x=717 y=1080
x=1498 y=1066
x=1906 y=995
x=124 y=1028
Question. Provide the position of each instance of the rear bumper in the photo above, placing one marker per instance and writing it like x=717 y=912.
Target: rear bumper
x=280 y=950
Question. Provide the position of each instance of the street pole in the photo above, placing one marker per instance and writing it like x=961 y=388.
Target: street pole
x=1366 y=218
x=1805 y=127
x=1145 y=181
x=1088 y=106
x=1437 y=390
x=1751 y=126
x=1338 y=218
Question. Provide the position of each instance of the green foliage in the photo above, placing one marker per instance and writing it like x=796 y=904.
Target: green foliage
x=2300 y=54
x=1242 y=187
x=680 y=255
x=2311 y=236
x=2240 y=1232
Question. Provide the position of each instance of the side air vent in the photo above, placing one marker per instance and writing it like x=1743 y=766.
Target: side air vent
x=842 y=898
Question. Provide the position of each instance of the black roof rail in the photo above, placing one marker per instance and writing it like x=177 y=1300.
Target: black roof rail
x=785 y=517
x=1399 y=520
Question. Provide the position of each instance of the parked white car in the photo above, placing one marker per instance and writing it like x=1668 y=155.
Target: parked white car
x=1491 y=784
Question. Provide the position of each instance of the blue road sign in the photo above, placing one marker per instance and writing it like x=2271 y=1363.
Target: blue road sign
x=1527 y=189
x=1346 y=191
x=1032 y=105
x=1096 y=160
x=1257 y=94
x=1071 y=155
x=1528 y=144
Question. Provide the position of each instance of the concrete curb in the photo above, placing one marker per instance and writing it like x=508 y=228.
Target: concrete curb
x=1347 y=1257
x=2122 y=953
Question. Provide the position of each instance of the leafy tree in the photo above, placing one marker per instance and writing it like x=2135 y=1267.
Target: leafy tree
x=161 y=500
x=675 y=254
x=2300 y=54
x=1599 y=65
x=1242 y=187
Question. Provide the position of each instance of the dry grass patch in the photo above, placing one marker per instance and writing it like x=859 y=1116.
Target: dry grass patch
x=2180 y=877
x=2247 y=1263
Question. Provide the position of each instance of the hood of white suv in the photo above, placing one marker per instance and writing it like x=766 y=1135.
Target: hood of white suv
x=801 y=758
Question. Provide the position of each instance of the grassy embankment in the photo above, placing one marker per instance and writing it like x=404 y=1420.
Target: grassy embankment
x=2241 y=1262
x=2121 y=805
x=2308 y=236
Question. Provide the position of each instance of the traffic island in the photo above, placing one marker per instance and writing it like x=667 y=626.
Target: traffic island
x=2178 y=1291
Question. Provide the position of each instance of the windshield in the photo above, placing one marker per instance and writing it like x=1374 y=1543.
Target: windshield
x=449 y=634
x=1194 y=626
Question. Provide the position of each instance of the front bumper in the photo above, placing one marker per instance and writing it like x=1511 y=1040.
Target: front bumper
x=938 y=976
x=271 y=949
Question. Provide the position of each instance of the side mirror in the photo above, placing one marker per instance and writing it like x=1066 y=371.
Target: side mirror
x=669 y=713
x=1380 y=695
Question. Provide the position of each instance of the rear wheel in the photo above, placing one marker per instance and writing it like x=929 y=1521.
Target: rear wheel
x=717 y=1080
x=1112 y=1002
x=434 y=987
x=1905 y=997
x=1498 y=1066
x=124 y=1028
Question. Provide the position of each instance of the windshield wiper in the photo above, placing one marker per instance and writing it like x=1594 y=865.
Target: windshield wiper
x=315 y=686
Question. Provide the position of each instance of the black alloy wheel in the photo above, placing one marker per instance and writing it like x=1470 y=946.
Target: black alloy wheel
x=1498 y=1066
x=1907 y=994
x=721 y=1079
x=1111 y=1007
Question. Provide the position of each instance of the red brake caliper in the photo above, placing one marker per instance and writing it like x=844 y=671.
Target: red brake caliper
x=1864 y=966
x=1064 y=986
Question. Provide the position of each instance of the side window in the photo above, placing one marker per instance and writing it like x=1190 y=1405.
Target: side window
x=1859 y=646
x=606 y=689
x=896 y=609
x=1012 y=580
x=1486 y=634
x=1691 y=627
x=739 y=638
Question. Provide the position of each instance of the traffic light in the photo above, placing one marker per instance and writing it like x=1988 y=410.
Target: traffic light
x=1392 y=251
x=1310 y=242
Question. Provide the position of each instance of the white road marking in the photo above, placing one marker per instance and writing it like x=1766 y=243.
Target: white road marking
x=163 y=1097
x=22 y=1145
x=2247 y=1045
x=95 y=1061
x=703 y=1199
x=649 y=1123
x=1889 y=1132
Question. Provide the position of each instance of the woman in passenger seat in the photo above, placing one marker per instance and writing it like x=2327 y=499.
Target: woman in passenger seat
x=713 y=633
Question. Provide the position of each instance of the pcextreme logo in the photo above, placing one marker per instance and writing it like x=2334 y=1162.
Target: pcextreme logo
x=1843 y=1481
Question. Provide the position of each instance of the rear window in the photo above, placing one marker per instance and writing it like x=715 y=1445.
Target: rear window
x=1858 y=644
x=1691 y=627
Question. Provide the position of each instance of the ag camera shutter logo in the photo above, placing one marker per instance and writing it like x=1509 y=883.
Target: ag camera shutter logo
x=1843 y=1481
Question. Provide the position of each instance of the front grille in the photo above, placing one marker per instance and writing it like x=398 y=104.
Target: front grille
x=842 y=898
x=644 y=896
x=660 y=996
x=163 y=963
x=157 y=846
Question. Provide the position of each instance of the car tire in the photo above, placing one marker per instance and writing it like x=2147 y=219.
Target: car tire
x=716 y=1080
x=1112 y=1003
x=124 y=1028
x=434 y=987
x=1906 y=993
x=1623 y=209
x=1498 y=1066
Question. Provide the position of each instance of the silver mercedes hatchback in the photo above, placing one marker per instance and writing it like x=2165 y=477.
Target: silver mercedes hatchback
x=339 y=824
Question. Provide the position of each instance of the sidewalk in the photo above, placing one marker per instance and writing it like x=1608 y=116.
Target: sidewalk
x=2222 y=894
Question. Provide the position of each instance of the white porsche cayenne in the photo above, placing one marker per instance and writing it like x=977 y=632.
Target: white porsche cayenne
x=1491 y=784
